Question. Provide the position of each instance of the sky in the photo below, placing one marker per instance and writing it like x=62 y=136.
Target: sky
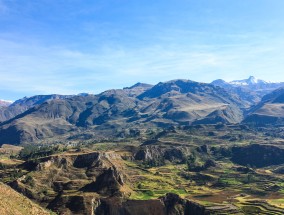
x=75 y=46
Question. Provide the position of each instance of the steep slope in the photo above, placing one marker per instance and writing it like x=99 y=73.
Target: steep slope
x=24 y=104
x=72 y=181
x=269 y=111
x=184 y=101
x=16 y=204
x=137 y=89
x=251 y=90
x=55 y=117
x=263 y=155
x=167 y=205
x=165 y=104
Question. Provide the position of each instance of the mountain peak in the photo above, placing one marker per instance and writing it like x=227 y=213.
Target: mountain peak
x=174 y=81
x=139 y=84
x=250 y=81
x=181 y=86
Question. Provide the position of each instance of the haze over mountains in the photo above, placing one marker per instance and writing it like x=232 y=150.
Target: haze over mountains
x=119 y=112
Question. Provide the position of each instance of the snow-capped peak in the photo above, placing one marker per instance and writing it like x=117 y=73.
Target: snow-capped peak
x=250 y=81
x=253 y=80
x=5 y=103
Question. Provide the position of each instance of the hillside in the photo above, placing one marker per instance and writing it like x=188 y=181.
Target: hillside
x=269 y=111
x=22 y=105
x=14 y=203
x=200 y=169
x=177 y=102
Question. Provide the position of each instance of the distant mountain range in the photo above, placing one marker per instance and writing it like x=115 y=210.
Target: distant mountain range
x=269 y=111
x=4 y=103
x=251 y=83
x=251 y=90
x=123 y=112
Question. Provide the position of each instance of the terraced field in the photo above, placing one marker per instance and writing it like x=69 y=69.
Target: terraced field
x=196 y=163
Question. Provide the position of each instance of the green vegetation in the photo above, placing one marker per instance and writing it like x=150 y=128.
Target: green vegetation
x=37 y=151
x=187 y=162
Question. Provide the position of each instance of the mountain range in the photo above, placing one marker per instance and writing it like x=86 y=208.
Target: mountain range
x=4 y=103
x=269 y=111
x=250 y=90
x=11 y=110
x=122 y=112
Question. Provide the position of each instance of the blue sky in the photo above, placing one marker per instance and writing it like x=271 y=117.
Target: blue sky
x=73 y=46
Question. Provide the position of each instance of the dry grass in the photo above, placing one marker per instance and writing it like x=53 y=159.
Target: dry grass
x=13 y=203
x=276 y=110
x=10 y=162
x=10 y=149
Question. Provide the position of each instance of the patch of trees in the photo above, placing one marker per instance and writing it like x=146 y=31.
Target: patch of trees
x=29 y=180
x=35 y=151
x=154 y=162
x=194 y=166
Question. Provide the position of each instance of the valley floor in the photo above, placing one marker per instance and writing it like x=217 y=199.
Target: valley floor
x=217 y=169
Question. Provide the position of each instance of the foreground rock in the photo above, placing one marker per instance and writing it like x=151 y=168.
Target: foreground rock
x=61 y=179
x=171 y=204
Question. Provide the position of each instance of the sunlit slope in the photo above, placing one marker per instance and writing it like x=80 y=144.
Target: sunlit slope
x=270 y=110
x=177 y=102
x=13 y=203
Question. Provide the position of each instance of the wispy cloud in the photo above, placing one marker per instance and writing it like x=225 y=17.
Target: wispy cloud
x=93 y=48
x=35 y=68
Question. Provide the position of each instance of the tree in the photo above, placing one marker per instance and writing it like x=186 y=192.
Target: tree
x=191 y=161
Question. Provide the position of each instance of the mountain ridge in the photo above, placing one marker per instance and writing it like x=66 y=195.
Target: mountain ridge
x=270 y=110
x=165 y=104
x=22 y=105
x=5 y=103
x=251 y=90
x=117 y=111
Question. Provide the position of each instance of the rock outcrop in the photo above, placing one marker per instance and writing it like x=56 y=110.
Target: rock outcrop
x=156 y=154
x=258 y=155
x=171 y=204
x=62 y=181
